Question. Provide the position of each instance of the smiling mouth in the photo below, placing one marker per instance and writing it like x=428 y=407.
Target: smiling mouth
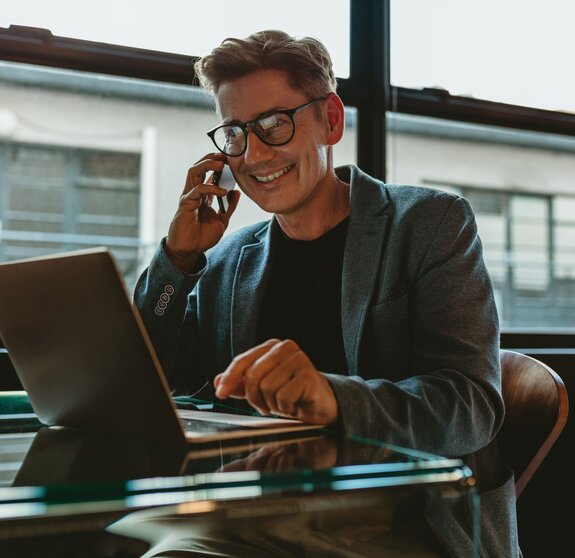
x=274 y=175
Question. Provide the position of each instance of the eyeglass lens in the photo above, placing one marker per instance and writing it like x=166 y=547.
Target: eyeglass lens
x=274 y=129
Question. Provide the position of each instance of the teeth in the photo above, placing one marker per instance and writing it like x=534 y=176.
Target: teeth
x=273 y=176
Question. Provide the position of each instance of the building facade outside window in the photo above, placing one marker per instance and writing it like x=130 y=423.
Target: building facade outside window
x=520 y=187
x=55 y=199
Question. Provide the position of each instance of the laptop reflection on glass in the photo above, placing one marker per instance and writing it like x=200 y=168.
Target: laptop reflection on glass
x=83 y=355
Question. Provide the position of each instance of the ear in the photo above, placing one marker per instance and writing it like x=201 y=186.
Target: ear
x=335 y=118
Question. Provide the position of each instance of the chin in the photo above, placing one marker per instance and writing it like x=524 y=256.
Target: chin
x=274 y=208
x=273 y=203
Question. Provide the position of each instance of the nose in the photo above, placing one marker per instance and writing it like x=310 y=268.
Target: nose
x=256 y=150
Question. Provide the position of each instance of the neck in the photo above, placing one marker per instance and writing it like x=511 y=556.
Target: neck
x=330 y=207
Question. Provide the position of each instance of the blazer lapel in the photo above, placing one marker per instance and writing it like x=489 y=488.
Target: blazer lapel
x=251 y=274
x=362 y=259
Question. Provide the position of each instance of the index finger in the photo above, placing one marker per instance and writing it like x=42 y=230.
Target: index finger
x=226 y=382
x=197 y=173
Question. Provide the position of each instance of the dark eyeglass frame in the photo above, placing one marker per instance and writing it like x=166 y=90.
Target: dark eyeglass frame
x=244 y=126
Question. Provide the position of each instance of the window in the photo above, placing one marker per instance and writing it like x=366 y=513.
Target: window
x=524 y=216
x=563 y=211
x=56 y=199
x=500 y=51
x=183 y=26
x=514 y=160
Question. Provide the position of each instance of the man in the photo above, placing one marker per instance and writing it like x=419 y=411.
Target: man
x=359 y=305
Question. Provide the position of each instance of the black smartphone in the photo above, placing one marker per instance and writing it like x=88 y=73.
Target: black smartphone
x=225 y=179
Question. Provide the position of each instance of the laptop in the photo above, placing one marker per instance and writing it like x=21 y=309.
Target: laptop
x=82 y=353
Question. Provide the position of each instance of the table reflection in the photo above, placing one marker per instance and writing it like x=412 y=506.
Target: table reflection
x=316 y=495
x=319 y=452
x=63 y=456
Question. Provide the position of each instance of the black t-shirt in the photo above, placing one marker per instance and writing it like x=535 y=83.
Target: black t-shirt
x=302 y=300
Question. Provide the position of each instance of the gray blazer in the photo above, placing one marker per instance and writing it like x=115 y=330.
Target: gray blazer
x=415 y=294
x=414 y=288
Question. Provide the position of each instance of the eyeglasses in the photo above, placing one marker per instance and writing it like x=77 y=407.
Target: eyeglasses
x=273 y=128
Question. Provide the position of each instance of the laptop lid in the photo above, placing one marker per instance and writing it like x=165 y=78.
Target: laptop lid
x=84 y=357
x=80 y=348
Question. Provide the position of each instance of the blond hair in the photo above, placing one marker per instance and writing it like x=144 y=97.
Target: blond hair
x=305 y=60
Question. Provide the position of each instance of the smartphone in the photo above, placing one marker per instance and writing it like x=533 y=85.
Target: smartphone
x=224 y=179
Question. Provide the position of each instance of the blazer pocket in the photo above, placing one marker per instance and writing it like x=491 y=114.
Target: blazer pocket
x=389 y=330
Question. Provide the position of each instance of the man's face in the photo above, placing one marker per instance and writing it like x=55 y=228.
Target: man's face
x=280 y=179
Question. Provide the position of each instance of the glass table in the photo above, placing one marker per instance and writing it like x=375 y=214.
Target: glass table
x=320 y=494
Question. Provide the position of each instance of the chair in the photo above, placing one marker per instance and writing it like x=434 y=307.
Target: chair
x=537 y=406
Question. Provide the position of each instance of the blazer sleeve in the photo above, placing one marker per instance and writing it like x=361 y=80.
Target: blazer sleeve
x=165 y=298
x=449 y=400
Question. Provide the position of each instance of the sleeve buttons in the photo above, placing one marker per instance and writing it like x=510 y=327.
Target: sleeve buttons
x=162 y=303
